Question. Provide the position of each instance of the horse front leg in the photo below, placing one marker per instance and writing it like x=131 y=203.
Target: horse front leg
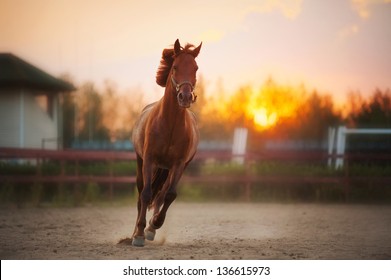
x=144 y=199
x=158 y=219
x=166 y=197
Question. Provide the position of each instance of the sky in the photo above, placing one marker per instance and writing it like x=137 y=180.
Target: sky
x=335 y=46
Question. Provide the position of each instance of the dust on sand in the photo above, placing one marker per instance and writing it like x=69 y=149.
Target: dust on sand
x=201 y=231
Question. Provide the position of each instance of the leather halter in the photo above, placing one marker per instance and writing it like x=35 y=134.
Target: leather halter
x=178 y=87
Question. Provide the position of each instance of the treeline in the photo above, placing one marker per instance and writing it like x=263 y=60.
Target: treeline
x=298 y=113
x=274 y=111
x=91 y=114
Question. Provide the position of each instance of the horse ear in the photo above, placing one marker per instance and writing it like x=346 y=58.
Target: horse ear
x=196 y=51
x=177 y=47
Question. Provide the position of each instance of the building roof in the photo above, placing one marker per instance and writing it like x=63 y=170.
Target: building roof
x=17 y=73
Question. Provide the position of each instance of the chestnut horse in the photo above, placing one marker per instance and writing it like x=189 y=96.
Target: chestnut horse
x=165 y=139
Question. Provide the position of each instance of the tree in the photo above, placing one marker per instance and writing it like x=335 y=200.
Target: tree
x=210 y=113
x=68 y=127
x=68 y=114
x=375 y=112
x=135 y=103
x=90 y=114
x=111 y=109
x=315 y=116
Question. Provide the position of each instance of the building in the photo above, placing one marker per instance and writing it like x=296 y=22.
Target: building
x=30 y=99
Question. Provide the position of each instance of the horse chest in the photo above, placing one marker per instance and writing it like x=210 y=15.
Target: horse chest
x=167 y=151
x=172 y=153
x=168 y=141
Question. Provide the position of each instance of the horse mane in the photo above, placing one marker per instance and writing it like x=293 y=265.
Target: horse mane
x=168 y=57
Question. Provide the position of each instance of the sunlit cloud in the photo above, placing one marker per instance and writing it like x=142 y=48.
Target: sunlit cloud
x=348 y=31
x=289 y=8
x=233 y=15
x=363 y=7
x=244 y=41
x=210 y=35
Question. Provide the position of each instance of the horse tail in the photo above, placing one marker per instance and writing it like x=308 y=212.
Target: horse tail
x=159 y=178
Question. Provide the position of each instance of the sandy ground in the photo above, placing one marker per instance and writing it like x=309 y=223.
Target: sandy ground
x=201 y=231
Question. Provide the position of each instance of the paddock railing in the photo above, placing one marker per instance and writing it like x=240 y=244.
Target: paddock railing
x=37 y=156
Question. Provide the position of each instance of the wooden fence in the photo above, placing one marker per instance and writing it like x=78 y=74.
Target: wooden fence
x=37 y=156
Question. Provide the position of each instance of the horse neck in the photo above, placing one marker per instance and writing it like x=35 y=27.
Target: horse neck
x=171 y=111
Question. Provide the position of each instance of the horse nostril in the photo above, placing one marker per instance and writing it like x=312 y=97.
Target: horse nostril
x=181 y=96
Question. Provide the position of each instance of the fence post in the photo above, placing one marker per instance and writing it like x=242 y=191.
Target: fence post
x=111 y=180
x=77 y=194
x=62 y=171
x=331 y=141
x=347 y=181
x=247 y=187
x=37 y=185
x=39 y=169
x=61 y=195
x=239 y=144
x=341 y=139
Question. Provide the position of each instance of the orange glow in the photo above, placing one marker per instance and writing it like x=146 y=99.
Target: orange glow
x=263 y=118
x=273 y=103
x=262 y=109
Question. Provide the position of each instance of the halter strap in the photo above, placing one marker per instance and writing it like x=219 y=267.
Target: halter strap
x=178 y=87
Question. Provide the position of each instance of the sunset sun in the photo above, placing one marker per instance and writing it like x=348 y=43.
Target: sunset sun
x=264 y=119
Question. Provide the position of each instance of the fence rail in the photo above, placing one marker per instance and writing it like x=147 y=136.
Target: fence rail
x=77 y=156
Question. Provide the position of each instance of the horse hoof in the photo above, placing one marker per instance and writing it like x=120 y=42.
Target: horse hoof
x=138 y=241
x=150 y=235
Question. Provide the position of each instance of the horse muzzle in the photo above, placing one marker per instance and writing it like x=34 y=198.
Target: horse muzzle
x=185 y=93
x=185 y=99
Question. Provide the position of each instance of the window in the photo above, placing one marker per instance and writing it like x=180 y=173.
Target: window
x=46 y=103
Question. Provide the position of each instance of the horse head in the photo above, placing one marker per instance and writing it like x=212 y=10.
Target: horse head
x=178 y=67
